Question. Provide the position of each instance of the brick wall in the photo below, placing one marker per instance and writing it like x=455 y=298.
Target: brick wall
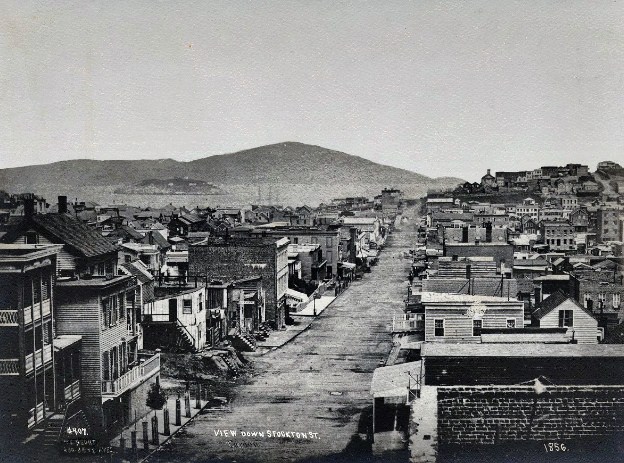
x=237 y=262
x=492 y=414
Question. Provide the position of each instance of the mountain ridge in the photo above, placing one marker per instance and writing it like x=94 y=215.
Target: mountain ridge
x=280 y=165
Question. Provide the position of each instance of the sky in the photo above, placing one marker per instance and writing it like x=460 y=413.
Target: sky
x=440 y=88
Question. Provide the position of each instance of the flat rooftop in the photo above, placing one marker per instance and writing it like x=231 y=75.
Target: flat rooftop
x=431 y=297
x=94 y=282
x=434 y=349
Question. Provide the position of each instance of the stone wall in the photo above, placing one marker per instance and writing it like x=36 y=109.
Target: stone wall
x=493 y=414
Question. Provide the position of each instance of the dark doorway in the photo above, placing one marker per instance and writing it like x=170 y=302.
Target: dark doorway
x=173 y=310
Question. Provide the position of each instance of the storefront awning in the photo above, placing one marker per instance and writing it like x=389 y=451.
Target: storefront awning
x=296 y=295
x=347 y=265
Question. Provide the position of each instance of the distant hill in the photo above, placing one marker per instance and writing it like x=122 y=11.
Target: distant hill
x=290 y=172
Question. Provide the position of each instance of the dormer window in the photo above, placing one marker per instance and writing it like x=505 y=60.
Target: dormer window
x=32 y=238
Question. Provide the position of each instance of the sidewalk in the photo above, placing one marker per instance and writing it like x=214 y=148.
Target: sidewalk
x=130 y=456
x=280 y=337
x=303 y=320
x=319 y=304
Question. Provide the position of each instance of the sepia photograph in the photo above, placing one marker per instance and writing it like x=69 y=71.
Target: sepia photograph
x=311 y=231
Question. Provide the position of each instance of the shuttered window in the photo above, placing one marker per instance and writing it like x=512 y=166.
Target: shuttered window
x=105 y=366
x=105 y=320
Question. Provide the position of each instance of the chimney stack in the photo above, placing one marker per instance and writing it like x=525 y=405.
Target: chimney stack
x=29 y=206
x=62 y=204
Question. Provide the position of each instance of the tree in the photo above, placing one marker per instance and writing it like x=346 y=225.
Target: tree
x=156 y=397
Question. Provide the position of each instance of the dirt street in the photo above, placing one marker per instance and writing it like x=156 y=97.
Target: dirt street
x=317 y=385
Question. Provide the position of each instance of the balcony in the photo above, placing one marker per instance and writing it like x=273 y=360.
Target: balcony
x=8 y=318
x=39 y=357
x=9 y=367
x=35 y=415
x=72 y=392
x=412 y=324
x=150 y=364
x=39 y=311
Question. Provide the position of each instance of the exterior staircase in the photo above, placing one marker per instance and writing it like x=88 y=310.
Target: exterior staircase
x=229 y=363
x=51 y=434
x=243 y=342
x=184 y=340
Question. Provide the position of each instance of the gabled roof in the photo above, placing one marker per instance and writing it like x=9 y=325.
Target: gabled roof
x=555 y=300
x=154 y=237
x=606 y=265
x=61 y=228
x=139 y=270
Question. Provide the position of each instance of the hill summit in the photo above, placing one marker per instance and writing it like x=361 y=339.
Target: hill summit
x=294 y=173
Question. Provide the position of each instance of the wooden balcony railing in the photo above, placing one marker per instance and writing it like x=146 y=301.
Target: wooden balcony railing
x=39 y=311
x=72 y=391
x=407 y=325
x=8 y=318
x=132 y=377
x=40 y=356
x=35 y=415
x=9 y=367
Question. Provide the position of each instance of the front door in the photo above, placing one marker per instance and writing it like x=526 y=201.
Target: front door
x=173 y=310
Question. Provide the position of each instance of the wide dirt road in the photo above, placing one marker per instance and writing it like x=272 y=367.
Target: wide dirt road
x=318 y=383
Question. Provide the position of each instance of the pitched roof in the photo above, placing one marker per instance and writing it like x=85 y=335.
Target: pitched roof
x=555 y=300
x=62 y=228
x=156 y=238
x=125 y=232
x=139 y=270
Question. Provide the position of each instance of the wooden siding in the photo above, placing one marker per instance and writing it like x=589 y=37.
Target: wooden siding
x=64 y=261
x=585 y=327
x=458 y=325
x=80 y=314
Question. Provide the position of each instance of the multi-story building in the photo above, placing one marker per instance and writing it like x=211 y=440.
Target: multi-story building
x=85 y=252
x=228 y=258
x=609 y=224
x=94 y=302
x=328 y=238
x=313 y=264
x=528 y=207
x=39 y=372
x=115 y=374
x=176 y=320
x=559 y=236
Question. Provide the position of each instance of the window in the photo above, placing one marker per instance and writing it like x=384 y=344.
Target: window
x=122 y=307
x=32 y=238
x=187 y=306
x=616 y=300
x=295 y=240
x=36 y=285
x=566 y=318
x=113 y=310
x=586 y=299
x=477 y=326
x=105 y=313
x=438 y=327
x=511 y=323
